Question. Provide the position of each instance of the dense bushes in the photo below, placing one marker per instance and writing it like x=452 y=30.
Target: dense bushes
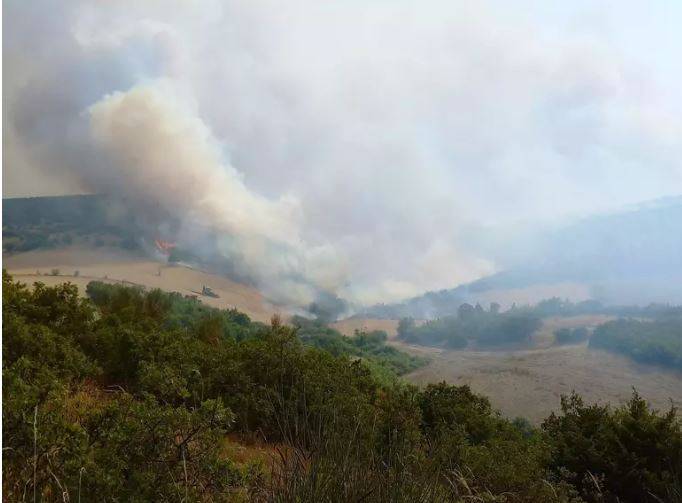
x=386 y=361
x=630 y=454
x=129 y=396
x=570 y=335
x=483 y=328
x=657 y=342
x=49 y=222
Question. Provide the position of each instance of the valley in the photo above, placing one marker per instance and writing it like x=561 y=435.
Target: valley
x=530 y=382
x=524 y=382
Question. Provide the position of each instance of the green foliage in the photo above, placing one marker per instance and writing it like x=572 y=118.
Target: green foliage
x=630 y=454
x=128 y=395
x=483 y=328
x=655 y=342
x=386 y=361
x=49 y=222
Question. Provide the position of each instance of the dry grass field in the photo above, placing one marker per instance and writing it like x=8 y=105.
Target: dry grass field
x=350 y=325
x=117 y=266
x=530 y=382
x=544 y=337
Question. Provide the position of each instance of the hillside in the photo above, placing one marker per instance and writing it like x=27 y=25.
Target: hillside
x=113 y=265
x=152 y=396
x=48 y=222
x=608 y=258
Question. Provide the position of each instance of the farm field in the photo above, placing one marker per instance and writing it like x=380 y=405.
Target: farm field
x=117 y=266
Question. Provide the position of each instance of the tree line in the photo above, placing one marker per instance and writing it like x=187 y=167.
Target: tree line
x=472 y=325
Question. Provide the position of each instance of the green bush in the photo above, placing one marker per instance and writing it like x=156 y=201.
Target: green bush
x=387 y=361
x=655 y=342
x=128 y=396
x=630 y=454
x=475 y=325
x=570 y=336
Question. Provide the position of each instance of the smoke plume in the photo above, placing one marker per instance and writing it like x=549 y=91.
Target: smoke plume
x=154 y=149
x=358 y=149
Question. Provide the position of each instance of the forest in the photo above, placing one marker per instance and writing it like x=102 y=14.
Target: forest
x=132 y=395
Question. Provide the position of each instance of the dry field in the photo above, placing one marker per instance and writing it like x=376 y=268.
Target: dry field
x=350 y=325
x=544 y=337
x=529 y=382
x=117 y=266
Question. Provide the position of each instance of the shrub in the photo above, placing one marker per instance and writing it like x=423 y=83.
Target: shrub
x=570 y=336
x=656 y=342
x=130 y=393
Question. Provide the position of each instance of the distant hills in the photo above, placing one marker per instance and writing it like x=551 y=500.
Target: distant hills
x=48 y=222
x=107 y=220
x=629 y=257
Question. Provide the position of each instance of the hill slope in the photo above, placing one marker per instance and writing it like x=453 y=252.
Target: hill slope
x=629 y=257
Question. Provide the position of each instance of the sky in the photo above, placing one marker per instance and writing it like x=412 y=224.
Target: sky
x=365 y=148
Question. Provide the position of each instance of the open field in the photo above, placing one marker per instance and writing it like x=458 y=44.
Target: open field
x=117 y=266
x=350 y=325
x=523 y=382
x=530 y=383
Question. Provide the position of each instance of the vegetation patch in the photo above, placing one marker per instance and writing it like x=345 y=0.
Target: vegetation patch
x=147 y=396
x=472 y=325
x=571 y=335
x=656 y=342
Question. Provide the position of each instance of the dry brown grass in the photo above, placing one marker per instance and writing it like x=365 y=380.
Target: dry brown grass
x=117 y=266
x=529 y=382
x=243 y=451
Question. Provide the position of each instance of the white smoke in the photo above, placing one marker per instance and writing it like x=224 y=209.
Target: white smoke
x=154 y=148
x=353 y=147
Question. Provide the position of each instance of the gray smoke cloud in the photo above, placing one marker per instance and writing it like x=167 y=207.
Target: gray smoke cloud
x=352 y=147
x=157 y=149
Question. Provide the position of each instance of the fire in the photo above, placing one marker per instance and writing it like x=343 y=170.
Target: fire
x=164 y=247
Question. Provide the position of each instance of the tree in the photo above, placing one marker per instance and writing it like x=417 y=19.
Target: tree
x=630 y=454
x=465 y=311
x=405 y=327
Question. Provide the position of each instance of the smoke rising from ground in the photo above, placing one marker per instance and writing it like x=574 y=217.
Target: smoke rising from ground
x=153 y=149
x=352 y=148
